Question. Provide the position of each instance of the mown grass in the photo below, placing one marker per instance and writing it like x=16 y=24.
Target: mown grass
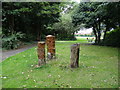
x=98 y=68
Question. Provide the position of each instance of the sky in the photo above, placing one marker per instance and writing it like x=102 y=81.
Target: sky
x=85 y=31
x=77 y=1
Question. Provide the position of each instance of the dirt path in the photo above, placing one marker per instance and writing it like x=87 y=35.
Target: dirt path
x=6 y=54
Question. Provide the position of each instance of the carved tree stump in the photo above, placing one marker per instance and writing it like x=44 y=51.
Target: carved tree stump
x=74 y=55
x=41 y=53
x=50 y=41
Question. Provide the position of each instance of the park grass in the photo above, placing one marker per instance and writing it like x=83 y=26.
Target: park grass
x=98 y=68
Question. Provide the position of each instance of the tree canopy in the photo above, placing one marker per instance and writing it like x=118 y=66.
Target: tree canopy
x=35 y=20
x=97 y=15
x=29 y=17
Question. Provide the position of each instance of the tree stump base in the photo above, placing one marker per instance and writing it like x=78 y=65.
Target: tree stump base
x=74 y=56
x=41 y=53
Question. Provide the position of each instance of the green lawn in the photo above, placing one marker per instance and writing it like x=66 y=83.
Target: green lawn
x=98 y=68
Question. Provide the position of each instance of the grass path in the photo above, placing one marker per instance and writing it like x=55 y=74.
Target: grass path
x=98 y=68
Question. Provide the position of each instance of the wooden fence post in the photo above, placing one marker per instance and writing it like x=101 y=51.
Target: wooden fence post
x=74 y=55
x=41 y=53
x=50 y=41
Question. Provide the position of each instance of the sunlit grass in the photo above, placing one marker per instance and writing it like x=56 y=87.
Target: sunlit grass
x=79 y=40
x=98 y=68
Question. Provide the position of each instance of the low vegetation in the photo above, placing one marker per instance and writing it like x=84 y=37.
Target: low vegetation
x=98 y=68
x=112 y=38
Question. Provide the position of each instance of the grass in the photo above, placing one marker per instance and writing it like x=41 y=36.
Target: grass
x=98 y=69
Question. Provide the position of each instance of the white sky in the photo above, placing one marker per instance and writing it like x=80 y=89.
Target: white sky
x=76 y=1
x=85 y=31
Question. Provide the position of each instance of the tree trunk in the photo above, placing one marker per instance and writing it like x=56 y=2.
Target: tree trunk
x=50 y=41
x=74 y=56
x=99 y=32
x=95 y=33
x=99 y=35
x=41 y=53
x=104 y=34
x=107 y=29
x=12 y=23
x=38 y=33
x=11 y=20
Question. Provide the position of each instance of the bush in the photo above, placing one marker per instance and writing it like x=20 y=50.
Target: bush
x=12 y=41
x=65 y=37
x=28 y=37
x=112 y=38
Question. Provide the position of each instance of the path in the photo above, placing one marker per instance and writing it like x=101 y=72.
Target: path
x=6 y=54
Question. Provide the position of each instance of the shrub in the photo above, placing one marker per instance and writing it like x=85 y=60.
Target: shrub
x=12 y=41
x=28 y=37
x=112 y=38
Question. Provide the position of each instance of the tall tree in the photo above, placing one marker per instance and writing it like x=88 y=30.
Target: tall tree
x=87 y=13
x=29 y=17
x=97 y=15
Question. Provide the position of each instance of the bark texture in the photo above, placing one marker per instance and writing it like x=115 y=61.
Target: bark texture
x=74 y=56
x=50 y=41
x=41 y=53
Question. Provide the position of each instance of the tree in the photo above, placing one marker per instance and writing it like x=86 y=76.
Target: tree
x=87 y=13
x=29 y=17
x=112 y=18
x=64 y=29
x=97 y=15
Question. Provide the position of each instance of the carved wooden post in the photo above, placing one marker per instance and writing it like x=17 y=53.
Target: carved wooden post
x=41 y=53
x=74 y=55
x=50 y=41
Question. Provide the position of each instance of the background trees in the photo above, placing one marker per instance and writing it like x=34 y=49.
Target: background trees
x=29 y=17
x=34 y=20
x=98 y=16
x=65 y=29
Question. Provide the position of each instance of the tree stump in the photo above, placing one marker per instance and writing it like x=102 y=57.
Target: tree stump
x=41 y=53
x=74 y=55
x=50 y=41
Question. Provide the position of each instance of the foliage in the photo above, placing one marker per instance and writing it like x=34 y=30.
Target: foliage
x=12 y=41
x=97 y=15
x=97 y=69
x=32 y=16
x=112 y=38
x=65 y=29
x=28 y=38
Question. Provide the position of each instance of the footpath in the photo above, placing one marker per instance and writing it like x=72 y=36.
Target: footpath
x=8 y=53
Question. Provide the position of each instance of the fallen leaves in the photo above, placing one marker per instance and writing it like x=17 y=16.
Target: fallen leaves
x=59 y=76
x=49 y=75
x=31 y=65
x=34 y=80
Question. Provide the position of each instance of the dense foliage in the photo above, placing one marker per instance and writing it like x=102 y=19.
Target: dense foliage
x=12 y=41
x=112 y=38
x=37 y=19
x=64 y=28
x=29 y=17
x=101 y=16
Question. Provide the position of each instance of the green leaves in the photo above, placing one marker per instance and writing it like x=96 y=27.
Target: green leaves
x=12 y=41
x=98 y=15
x=29 y=17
